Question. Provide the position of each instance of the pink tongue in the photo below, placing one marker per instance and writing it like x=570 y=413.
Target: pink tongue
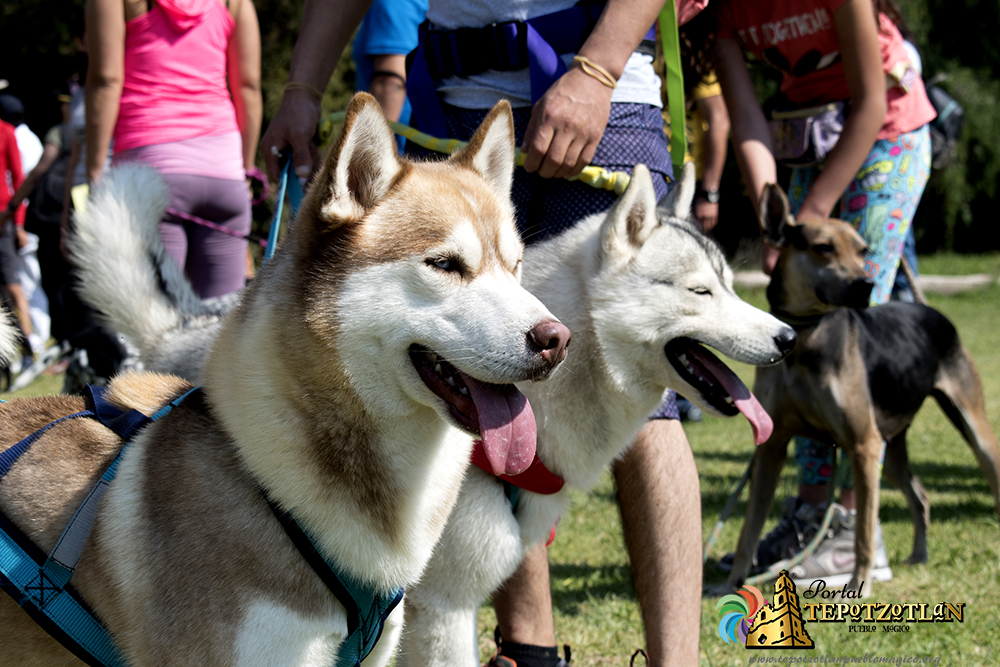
x=506 y=424
x=743 y=398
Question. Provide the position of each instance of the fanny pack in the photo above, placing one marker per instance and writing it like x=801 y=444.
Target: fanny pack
x=804 y=137
x=536 y=44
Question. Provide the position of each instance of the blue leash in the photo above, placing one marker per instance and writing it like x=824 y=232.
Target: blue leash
x=289 y=183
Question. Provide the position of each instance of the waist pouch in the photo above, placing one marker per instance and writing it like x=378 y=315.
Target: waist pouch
x=535 y=44
x=804 y=137
x=505 y=46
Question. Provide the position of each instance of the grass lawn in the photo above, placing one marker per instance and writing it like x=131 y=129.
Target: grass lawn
x=595 y=605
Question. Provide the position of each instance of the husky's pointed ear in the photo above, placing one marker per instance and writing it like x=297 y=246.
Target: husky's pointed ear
x=677 y=203
x=631 y=220
x=361 y=166
x=774 y=215
x=491 y=150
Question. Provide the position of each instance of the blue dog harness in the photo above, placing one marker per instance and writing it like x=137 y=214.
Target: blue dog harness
x=39 y=583
x=367 y=609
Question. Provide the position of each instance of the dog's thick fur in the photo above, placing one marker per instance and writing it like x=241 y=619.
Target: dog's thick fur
x=857 y=376
x=8 y=338
x=638 y=286
x=631 y=282
x=348 y=428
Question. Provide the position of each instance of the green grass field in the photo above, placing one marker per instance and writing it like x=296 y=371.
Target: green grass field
x=595 y=605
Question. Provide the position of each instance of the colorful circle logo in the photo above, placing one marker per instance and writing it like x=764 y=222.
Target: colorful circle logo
x=736 y=614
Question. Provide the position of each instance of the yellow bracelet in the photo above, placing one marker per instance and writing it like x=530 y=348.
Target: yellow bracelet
x=301 y=85
x=596 y=71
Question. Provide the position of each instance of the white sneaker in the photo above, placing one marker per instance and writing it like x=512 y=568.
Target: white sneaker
x=833 y=560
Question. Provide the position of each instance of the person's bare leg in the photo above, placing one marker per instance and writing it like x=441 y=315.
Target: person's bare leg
x=524 y=602
x=660 y=501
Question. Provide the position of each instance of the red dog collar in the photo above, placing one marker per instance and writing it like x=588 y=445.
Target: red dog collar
x=537 y=478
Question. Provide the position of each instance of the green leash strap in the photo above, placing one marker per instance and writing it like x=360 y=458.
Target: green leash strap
x=675 y=84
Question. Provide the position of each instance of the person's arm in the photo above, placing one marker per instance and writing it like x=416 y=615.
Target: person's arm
x=49 y=155
x=568 y=121
x=105 y=76
x=713 y=110
x=327 y=27
x=859 y=48
x=389 y=83
x=243 y=65
x=64 y=219
x=13 y=160
x=751 y=136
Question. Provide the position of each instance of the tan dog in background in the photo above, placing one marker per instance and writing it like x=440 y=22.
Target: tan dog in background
x=856 y=377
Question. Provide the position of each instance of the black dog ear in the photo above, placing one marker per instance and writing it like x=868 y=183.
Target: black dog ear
x=774 y=216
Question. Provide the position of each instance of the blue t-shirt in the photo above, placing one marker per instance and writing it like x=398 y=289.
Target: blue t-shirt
x=390 y=26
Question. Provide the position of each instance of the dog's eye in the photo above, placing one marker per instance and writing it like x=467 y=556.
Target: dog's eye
x=823 y=249
x=701 y=290
x=863 y=252
x=449 y=264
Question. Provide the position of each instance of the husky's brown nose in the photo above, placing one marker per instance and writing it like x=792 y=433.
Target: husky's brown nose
x=550 y=339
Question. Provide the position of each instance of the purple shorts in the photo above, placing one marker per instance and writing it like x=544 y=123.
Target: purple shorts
x=545 y=207
x=213 y=261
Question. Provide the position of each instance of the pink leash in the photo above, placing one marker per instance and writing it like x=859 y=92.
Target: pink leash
x=255 y=174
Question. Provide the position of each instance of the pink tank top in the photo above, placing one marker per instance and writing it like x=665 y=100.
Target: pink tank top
x=175 y=74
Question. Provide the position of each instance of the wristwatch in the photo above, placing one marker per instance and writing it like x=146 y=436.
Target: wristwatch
x=712 y=196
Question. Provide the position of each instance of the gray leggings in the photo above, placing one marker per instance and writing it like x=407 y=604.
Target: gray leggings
x=214 y=262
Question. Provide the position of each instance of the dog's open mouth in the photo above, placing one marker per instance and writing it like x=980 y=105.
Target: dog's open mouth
x=718 y=385
x=497 y=413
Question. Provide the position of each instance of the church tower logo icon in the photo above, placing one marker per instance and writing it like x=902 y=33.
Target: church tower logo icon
x=747 y=619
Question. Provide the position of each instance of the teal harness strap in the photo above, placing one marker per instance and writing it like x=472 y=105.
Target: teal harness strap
x=367 y=609
x=40 y=584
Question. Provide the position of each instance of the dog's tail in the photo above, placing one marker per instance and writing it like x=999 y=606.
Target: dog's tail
x=9 y=347
x=125 y=271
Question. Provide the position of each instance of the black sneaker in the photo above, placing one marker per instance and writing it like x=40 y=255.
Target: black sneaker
x=798 y=525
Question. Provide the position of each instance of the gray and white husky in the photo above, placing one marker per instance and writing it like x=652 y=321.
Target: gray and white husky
x=640 y=287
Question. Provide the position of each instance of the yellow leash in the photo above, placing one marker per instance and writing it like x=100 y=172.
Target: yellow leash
x=597 y=177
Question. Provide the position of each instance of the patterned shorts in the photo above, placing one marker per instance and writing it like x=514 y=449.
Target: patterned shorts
x=545 y=207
